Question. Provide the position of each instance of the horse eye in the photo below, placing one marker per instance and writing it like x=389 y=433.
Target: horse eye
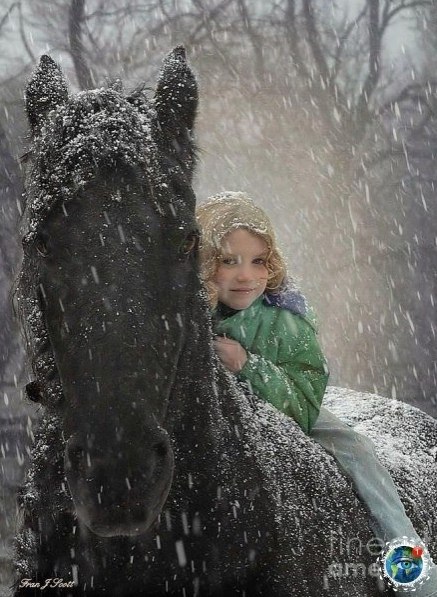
x=41 y=246
x=34 y=391
x=189 y=243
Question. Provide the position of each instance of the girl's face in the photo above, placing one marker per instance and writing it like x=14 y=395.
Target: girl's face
x=241 y=276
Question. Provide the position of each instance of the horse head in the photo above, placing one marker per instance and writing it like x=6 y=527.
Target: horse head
x=108 y=229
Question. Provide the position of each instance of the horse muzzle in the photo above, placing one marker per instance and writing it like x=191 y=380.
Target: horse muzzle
x=121 y=492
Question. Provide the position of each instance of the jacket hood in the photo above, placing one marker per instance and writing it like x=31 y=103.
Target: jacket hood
x=291 y=299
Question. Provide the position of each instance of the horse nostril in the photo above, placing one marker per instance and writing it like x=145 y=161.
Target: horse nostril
x=76 y=456
x=161 y=449
x=42 y=246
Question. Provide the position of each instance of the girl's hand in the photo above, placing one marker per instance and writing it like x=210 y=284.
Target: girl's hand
x=231 y=353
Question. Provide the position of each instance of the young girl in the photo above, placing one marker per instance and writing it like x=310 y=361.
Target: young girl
x=266 y=336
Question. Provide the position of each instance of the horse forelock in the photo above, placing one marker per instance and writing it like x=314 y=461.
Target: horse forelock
x=93 y=130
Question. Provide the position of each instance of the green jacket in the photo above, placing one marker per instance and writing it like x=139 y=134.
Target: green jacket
x=285 y=365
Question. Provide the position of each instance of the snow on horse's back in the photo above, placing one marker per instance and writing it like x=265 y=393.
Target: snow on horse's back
x=405 y=441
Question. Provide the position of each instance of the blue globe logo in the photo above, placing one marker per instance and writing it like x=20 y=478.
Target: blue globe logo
x=404 y=564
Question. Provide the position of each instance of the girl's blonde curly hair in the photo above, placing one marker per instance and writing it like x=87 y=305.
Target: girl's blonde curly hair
x=225 y=212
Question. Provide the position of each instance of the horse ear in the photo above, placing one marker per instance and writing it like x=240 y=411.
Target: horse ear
x=176 y=95
x=46 y=90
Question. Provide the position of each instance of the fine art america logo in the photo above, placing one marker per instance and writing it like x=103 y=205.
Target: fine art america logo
x=405 y=564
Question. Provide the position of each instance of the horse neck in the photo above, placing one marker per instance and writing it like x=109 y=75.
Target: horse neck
x=216 y=428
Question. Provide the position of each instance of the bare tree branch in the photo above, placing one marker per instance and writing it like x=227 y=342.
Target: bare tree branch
x=329 y=93
x=7 y=13
x=206 y=18
x=17 y=76
x=255 y=40
x=77 y=50
x=343 y=39
x=413 y=92
x=292 y=39
x=313 y=40
x=375 y=35
x=207 y=24
x=388 y=16
x=23 y=35
x=375 y=38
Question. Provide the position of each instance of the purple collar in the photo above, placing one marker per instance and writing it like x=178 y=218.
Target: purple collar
x=288 y=298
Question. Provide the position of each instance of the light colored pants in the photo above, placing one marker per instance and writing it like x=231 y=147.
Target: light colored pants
x=356 y=456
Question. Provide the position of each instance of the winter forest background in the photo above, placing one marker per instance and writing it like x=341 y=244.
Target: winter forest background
x=325 y=112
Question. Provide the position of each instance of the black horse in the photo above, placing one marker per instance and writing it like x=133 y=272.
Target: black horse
x=152 y=472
